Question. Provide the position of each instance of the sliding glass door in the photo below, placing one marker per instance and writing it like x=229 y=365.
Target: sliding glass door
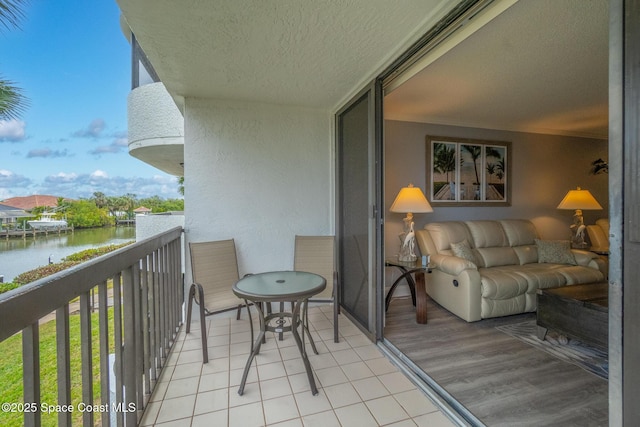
x=357 y=192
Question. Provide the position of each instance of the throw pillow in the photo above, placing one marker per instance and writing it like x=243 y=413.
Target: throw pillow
x=463 y=250
x=555 y=252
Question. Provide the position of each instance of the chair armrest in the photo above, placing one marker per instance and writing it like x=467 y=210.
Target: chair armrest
x=452 y=265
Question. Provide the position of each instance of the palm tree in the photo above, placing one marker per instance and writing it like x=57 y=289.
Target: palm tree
x=474 y=151
x=181 y=185
x=491 y=169
x=444 y=159
x=500 y=169
x=100 y=199
x=12 y=101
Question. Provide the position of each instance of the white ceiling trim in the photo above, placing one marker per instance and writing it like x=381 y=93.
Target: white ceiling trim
x=441 y=47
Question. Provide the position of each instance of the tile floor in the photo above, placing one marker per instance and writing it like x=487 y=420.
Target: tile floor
x=357 y=385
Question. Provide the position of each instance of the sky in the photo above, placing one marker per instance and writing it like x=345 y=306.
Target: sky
x=73 y=63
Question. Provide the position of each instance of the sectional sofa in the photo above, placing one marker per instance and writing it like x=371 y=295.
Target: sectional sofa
x=485 y=269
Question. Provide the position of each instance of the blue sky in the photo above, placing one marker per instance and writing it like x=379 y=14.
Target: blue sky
x=72 y=62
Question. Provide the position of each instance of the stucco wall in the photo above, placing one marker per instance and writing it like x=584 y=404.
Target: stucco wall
x=150 y=225
x=153 y=116
x=259 y=174
x=544 y=168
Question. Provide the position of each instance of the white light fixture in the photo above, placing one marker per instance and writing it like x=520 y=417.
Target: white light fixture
x=409 y=200
x=579 y=200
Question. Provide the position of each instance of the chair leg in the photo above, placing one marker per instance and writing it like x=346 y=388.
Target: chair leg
x=239 y=309
x=203 y=326
x=192 y=295
x=336 y=307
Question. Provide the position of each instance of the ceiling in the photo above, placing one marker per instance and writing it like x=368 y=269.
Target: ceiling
x=540 y=66
x=310 y=53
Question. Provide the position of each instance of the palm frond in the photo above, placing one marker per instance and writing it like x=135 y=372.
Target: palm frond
x=11 y=13
x=599 y=166
x=12 y=101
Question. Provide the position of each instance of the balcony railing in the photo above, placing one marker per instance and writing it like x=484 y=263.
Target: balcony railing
x=139 y=310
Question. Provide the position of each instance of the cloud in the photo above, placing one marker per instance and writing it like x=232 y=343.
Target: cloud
x=94 y=130
x=98 y=174
x=47 y=153
x=115 y=147
x=78 y=186
x=61 y=178
x=12 y=130
x=9 y=179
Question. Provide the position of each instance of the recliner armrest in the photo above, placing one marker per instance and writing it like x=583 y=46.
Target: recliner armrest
x=583 y=257
x=453 y=265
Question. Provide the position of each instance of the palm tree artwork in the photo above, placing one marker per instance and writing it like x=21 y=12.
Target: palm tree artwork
x=472 y=172
x=495 y=173
x=470 y=154
x=444 y=165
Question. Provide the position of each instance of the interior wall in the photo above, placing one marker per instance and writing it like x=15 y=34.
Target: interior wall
x=259 y=174
x=544 y=168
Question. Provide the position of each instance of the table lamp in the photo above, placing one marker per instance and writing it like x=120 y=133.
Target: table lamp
x=579 y=200
x=409 y=200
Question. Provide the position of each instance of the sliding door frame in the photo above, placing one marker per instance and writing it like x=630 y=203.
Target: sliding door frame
x=375 y=232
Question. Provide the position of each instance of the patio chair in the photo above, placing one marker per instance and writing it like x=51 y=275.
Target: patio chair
x=214 y=267
x=316 y=254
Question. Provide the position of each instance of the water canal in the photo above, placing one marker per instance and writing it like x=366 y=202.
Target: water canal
x=18 y=255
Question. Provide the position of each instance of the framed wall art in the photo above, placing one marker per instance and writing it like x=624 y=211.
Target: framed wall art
x=468 y=172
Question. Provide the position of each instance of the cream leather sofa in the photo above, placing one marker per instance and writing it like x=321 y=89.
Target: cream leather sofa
x=501 y=272
x=599 y=236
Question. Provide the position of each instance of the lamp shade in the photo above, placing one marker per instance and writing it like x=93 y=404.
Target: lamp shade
x=411 y=199
x=579 y=199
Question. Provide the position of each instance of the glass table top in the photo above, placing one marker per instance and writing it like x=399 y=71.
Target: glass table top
x=279 y=285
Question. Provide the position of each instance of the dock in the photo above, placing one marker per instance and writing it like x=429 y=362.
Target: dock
x=32 y=232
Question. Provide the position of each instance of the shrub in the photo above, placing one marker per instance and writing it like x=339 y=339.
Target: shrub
x=6 y=287
x=94 y=252
x=44 y=271
x=69 y=261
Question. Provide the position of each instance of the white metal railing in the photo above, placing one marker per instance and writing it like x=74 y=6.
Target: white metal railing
x=142 y=284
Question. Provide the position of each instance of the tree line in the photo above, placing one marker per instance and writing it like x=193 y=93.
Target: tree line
x=101 y=210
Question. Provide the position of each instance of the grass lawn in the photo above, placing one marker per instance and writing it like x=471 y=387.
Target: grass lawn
x=11 y=370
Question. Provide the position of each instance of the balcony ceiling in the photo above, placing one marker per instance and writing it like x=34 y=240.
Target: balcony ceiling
x=296 y=52
x=540 y=66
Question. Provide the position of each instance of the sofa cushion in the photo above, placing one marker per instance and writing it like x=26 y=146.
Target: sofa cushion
x=502 y=283
x=555 y=252
x=527 y=254
x=542 y=276
x=444 y=233
x=519 y=231
x=495 y=257
x=578 y=274
x=487 y=234
x=534 y=275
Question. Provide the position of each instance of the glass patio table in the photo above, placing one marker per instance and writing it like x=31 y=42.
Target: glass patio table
x=281 y=286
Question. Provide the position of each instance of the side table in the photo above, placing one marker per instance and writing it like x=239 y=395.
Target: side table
x=277 y=286
x=417 y=286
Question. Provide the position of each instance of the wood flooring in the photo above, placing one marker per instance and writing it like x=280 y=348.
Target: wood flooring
x=499 y=379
